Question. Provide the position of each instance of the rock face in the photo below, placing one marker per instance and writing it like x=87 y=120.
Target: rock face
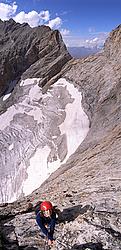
x=36 y=52
x=87 y=187
x=112 y=46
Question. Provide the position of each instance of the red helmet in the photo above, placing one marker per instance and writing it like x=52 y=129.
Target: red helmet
x=46 y=205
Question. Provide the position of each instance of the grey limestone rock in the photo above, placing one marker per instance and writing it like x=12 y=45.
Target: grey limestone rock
x=31 y=52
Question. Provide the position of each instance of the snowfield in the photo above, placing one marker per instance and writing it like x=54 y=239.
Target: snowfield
x=50 y=127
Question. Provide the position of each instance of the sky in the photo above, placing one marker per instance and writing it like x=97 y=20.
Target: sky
x=81 y=22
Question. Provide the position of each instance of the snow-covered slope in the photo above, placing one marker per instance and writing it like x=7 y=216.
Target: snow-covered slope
x=38 y=133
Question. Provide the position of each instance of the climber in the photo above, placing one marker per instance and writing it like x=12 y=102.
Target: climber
x=46 y=219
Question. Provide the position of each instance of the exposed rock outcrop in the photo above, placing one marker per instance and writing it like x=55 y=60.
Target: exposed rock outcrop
x=113 y=45
x=87 y=187
x=36 y=52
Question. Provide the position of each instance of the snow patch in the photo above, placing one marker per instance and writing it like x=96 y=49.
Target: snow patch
x=6 y=96
x=29 y=81
x=76 y=124
x=11 y=147
x=7 y=117
x=34 y=95
x=37 y=171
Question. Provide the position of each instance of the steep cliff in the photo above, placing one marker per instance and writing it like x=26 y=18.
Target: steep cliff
x=36 y=52
x=87 y=187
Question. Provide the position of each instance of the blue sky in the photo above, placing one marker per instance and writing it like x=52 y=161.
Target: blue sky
x=81 y=22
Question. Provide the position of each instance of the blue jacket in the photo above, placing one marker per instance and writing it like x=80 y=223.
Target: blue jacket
x=50 y=221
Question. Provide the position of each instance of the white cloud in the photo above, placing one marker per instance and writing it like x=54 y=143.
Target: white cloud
x=99 y=40
x=91 y=41
x=7 y=11
x=64 y=32
x=45 y=16
x=73 y=41
x=32 y=18
x=55 y=23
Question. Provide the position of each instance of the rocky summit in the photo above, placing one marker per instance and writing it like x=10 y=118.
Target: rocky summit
x=85 y=184
x=36 y=52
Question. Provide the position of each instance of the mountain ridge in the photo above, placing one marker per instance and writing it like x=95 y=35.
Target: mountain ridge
x=24 y=49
